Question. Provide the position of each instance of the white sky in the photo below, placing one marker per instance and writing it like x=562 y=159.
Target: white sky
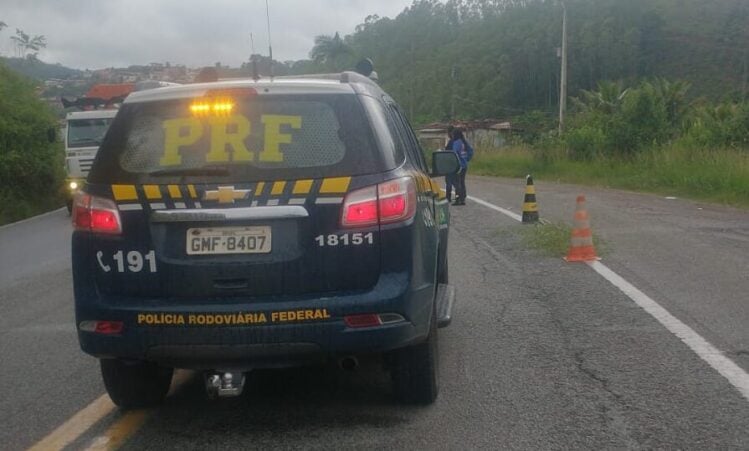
x=97 y=33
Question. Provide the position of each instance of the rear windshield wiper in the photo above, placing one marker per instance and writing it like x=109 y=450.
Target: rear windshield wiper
x=190 y=171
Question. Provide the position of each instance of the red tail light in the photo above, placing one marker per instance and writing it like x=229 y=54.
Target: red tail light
x=109 y=327
x=95 y=214
x=360 y=208
x=102 y=327
x=357 y=321
x=389 y=202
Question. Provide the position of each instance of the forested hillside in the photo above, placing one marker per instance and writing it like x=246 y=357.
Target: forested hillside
x=499 y=57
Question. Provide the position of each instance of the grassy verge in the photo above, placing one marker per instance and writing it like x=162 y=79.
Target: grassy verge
x=718 y=176
x=553 y=239
x=16 y=208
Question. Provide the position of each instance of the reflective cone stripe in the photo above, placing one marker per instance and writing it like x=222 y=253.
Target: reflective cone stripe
x=530 y=206
x=581 y=241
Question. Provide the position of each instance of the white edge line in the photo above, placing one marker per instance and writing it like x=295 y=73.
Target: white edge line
x=707 y=352
x=726 y=367
x=486 y=204
x=22 y=221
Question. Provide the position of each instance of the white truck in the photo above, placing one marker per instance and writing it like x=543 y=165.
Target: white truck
x=84 y=132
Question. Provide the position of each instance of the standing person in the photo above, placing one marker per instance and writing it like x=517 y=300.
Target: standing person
x=450 y=178
x=460 y=147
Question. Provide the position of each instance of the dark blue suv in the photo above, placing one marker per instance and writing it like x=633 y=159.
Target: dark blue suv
x=252 y=224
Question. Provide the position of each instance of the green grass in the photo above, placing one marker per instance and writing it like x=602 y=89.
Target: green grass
x=553 y=239
x=720 y=176
x=14 y=208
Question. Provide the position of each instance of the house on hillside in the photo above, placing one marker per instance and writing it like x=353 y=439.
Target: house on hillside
x=487 y=133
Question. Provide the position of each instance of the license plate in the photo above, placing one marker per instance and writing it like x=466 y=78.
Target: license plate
x=229 y=240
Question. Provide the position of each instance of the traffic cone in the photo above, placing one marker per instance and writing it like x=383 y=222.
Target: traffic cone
x=530 y=207
x=581 y=242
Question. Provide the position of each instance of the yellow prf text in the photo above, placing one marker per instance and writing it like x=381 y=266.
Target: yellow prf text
x=230 y=132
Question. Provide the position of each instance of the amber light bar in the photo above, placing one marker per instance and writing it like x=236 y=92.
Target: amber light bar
x=203 y=107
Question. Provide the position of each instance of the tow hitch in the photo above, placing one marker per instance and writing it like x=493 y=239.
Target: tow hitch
x=224 y=384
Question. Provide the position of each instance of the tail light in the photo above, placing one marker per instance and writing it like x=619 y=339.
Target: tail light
x=359 y=321
x=95 y=214
x=102 y=327
x=386 y=203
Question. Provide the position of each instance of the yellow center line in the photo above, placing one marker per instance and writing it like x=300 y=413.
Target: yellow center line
x=120 y=431
x=113 y=437
x=130 y=422
x=76 y=425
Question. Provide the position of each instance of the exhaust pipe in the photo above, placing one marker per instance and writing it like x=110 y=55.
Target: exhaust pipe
x=348 y=363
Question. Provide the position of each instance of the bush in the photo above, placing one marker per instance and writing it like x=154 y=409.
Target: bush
x=30 y=166
x=585 y=142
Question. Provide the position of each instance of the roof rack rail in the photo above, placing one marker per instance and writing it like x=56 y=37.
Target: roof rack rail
x=355 y=77
x=310 y=76
x=343 y=77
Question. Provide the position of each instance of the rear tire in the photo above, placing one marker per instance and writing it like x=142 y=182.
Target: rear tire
x=135 y=385
x=415 y=371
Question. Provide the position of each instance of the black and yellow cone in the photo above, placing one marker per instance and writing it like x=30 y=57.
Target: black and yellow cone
x=530 y=207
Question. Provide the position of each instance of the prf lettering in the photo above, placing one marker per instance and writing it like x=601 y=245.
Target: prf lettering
x=227 y=138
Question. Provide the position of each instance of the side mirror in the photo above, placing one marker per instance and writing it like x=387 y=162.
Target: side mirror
x=52 y=134
x=444 y=162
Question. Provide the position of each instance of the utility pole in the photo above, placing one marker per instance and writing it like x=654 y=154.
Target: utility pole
x=746 y=77
x=453 y=76
x=563 y=83
x=270 y=47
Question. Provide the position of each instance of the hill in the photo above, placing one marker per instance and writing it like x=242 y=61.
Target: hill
x=37 y=69
x=497 y=58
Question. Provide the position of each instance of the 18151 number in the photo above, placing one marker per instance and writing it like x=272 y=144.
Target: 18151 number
x=347 y=239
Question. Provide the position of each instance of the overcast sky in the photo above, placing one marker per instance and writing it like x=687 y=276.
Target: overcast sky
x=91 y=34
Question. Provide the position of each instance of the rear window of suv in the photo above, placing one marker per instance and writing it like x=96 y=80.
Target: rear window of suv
x=240 y=140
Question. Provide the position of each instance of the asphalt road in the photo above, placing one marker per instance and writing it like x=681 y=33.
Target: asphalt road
x=541 y=354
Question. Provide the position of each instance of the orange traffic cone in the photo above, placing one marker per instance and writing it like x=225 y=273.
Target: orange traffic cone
x=581 y=243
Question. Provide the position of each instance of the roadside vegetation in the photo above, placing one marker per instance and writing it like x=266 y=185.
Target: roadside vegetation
x=649 y=137
x=31 y=166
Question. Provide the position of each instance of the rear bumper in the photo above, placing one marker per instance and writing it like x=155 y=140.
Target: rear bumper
x=247 y=341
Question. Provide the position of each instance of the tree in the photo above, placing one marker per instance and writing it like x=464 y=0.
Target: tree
x=331 y=51
x=25 y=43
x=2 y=25
x=607 y=99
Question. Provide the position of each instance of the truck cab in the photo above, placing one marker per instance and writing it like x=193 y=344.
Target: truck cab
x=84 y=132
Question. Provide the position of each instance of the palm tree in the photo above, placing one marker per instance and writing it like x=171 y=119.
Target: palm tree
x=330 y=50
x=673 y=94
x=26 y=43
x=606 y=99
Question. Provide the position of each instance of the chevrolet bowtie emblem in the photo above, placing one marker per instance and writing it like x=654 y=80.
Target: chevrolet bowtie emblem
x=226 y=194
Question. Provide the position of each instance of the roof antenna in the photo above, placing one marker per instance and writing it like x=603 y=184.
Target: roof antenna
x=253 y=60
x=270 y=47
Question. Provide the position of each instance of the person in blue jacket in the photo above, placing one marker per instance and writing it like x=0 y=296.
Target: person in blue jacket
x=450 y=178
x=461 y=149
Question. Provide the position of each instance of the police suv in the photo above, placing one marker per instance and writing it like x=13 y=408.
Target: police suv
x=236 y=225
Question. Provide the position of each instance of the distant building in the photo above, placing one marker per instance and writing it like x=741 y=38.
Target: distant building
x=487 y=133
